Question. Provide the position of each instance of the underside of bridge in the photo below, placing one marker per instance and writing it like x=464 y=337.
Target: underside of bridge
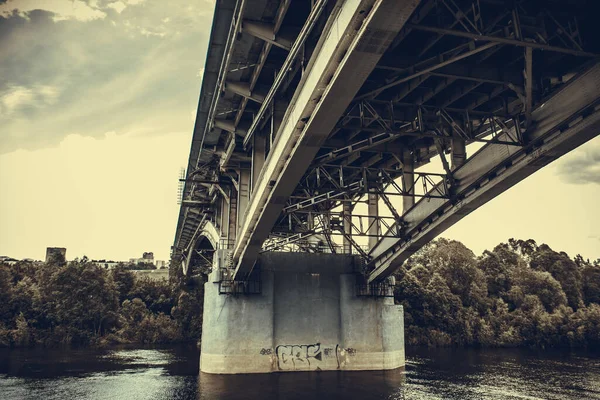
x=317 y=120
x=363 y=128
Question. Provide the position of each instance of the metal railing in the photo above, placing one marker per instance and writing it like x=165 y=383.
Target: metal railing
x=232 y=287
x=378 y=289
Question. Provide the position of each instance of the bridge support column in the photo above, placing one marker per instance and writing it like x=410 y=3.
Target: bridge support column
x=307 y=317
x=459 y=153
x=259 y=152
x=373 y=211
x=232 y=213
x=243 y=195
x=347 y=226
x=408 y=179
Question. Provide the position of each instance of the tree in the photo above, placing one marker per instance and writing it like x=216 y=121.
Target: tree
x=591 y=283
x=563 y=269
x=80 y=295
x=124 y=281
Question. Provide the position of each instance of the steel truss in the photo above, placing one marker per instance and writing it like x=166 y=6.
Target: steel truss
x=346 y=182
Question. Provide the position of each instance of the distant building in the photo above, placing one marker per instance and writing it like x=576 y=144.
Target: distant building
x=57 y=255
x=107 y=264
x=8 y=260
x=147 y=258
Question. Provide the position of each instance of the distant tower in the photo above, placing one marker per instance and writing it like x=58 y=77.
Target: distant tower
x=56 y=255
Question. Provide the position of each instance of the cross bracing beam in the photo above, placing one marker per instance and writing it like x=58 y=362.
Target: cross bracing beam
x=370 y=181
x=568 y=119
x=295 y=49
x=356 y=35
x=268 y=33
x=503 y=40
x=373 y=93
x=262 y=58
x=332 y=224
x=478 y=73
x=383 y=133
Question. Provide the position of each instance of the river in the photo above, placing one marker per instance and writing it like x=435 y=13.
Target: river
x=172 y=373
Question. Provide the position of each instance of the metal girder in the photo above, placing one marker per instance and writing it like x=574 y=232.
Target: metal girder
x=333 y=224
x=266 y=32
x=225 y=12
x=229 y=126
x=419 y=14
x=528 y=85
x=243 y=89
x=503 y=40
x=431 y=42
x=341 y=63
x=262 y=58
x=449 y=61
x=363 y=181
x=295 y=49
x=568 y=119
x=459 y=93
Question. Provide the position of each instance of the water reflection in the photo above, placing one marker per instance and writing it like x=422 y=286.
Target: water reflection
x=306 y=385
x=172 y=373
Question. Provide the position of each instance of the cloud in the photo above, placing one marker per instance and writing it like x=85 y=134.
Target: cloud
x=61 y=9
x=118 y=6
x=582 y=166
x=15 y=98
x=133 y=71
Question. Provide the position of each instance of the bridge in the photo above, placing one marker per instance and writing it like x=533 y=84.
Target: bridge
x=318 y=127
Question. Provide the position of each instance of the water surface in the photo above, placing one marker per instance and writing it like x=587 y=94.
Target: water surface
x=172 y=373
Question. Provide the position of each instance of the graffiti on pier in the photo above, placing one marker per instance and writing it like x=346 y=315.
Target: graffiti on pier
x=299 y=357
x=314 y=357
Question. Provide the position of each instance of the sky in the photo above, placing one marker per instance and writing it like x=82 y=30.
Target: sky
x=97 y=105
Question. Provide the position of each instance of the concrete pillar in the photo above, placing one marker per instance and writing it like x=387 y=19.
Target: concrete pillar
x=307 y=318
x=259 y=152
x=370 y=327
x=459 y=153
x=373 y=211
x=236 y=328
x=408 y=178
x=347 y=215
x=243 y=195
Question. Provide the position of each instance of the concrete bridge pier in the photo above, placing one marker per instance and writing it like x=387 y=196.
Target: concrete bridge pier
x=300 y=312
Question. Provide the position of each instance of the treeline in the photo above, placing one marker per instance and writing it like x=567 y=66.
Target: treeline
x=518 y=294
x=81 y=303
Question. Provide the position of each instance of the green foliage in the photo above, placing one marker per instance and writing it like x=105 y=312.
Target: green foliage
x=518 y=294
x=81 y=303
